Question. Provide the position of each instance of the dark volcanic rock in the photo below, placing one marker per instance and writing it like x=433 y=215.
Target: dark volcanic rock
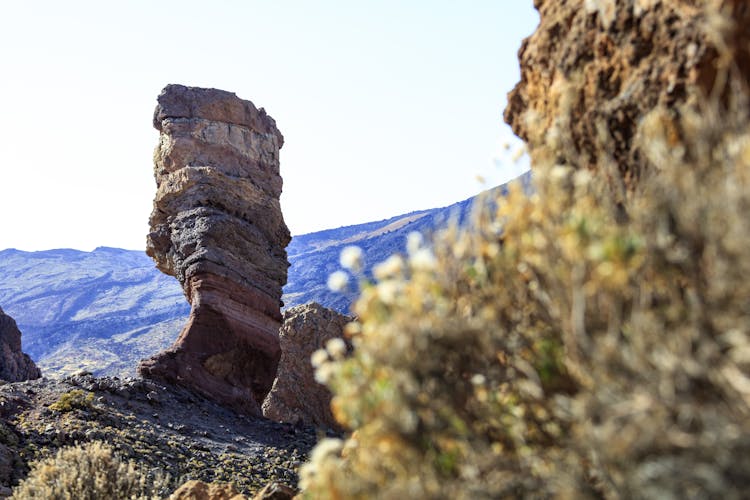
x=217 y=226
x=15 y=366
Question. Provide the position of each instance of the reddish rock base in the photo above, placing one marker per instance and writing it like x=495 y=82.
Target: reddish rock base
x=227 y=351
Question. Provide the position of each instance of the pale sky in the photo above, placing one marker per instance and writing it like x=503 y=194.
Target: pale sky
x=386 y=106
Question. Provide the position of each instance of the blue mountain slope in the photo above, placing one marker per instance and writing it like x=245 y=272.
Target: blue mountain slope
x=90 y=309
x=315 y=256
x=105 y=310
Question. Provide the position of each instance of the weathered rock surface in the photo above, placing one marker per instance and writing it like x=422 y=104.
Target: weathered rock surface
x=217 y=226
x=276 y=491
x=15 y=366
x=296 y=397
x=594 y=68
x=198 y=490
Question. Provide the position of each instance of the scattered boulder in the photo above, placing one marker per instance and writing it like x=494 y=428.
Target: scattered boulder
x=593 y=69
x=276 y=491
x=198 y=490
x=15 y=366
x=217 y=227
x=295 y=396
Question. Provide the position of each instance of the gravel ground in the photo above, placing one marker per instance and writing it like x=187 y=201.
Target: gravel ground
x=164 y=428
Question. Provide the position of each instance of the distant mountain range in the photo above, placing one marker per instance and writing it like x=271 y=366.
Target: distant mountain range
x=104 y=310
x=96 y=310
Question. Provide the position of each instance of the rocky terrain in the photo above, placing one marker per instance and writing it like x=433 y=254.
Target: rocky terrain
x=217 y=227
x=161 y=427
x=15 y=365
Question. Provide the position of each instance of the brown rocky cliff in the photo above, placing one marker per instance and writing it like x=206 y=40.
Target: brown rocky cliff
x=217 y=226
x=594 y=68
x=15 y=366
x=296 y=397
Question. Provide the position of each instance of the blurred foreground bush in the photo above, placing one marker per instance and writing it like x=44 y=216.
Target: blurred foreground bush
x=561 y=347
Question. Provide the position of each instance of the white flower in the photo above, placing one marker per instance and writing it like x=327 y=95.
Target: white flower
x=351 y=258
x=387 y=291
x=582 y=178
x=414 y=242
x=336 y=347
x=559 y=173
x=337 y=281
x=389 y=267
x=325 y=448
x=423 y=260
x=319 y=357
x=323 y=373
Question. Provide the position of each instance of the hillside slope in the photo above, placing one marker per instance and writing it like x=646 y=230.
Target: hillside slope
x=315 y=256
x=105 y=310
x=161 y=428
x=97 y=310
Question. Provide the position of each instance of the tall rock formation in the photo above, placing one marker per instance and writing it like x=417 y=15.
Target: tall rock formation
x=15 y=366
x=217 y=227
x=296 y=397
x=594 y=69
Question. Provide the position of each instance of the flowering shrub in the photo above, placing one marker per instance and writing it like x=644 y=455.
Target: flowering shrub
x=559 y=348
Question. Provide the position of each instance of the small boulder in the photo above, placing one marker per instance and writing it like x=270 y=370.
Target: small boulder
x=275 y=491
x=198 y=490
x=295 y=396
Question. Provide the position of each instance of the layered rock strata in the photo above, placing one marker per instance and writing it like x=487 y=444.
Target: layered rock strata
x=296 y=397
x=15 y=366
x=217 y=227
x=594 y=69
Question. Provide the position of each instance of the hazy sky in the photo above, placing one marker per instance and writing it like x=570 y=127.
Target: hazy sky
x=385 y=106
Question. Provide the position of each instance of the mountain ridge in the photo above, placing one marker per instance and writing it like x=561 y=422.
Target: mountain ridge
x=106 y=309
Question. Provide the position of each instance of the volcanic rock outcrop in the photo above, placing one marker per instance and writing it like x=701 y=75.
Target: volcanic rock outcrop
x=594 y=68
x=15 y=366
x=217 y=227
x=296 y=397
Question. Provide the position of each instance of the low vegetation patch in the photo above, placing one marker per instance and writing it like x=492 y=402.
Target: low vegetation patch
x=89 y=472
x=76 y=399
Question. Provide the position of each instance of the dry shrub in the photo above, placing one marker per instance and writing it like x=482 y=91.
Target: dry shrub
x=89 y=472
x=561 y=348
x=76 y=399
